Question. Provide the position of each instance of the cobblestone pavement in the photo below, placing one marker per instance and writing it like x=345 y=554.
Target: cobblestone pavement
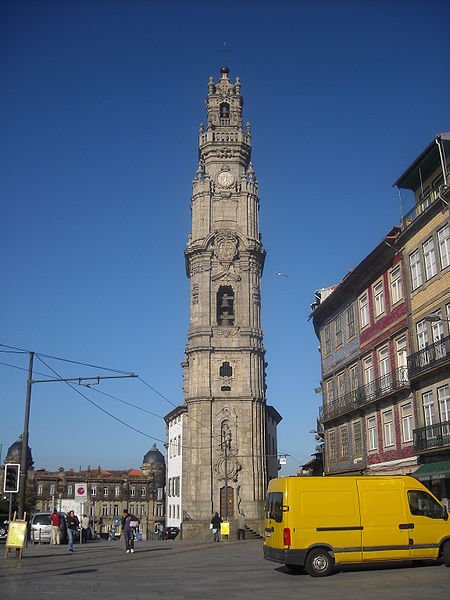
x=200 y=571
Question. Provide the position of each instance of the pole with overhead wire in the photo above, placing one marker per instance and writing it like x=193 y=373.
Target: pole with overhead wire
x=24 y=454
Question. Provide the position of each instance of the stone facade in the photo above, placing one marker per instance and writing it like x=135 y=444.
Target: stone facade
x=226 y=430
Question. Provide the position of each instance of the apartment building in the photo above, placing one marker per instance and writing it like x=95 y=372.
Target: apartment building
x=384 y=336
x=425 y=243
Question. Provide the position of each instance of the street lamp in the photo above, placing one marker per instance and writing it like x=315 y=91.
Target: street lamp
x=435 y=319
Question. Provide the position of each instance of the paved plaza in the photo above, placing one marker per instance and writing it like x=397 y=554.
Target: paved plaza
x=199 y=571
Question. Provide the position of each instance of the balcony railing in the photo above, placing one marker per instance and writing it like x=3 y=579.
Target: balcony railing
x=429 y=198
x=429 y=357
x=383 y=386
x=432 y=436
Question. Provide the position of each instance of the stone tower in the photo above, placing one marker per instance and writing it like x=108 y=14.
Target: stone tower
x=229 y=440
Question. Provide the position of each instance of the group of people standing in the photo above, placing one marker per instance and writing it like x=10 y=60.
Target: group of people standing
x=72 y=525
x=130 y=524
x=216 y=522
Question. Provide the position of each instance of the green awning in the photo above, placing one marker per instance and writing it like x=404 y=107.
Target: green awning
x=434 y=470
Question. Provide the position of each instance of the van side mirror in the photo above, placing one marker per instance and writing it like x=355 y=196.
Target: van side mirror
x=444 y=513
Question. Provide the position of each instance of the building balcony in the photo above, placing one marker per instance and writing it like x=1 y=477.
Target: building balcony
x=427 y=200
x=379 y=388
x=432 y=437
x=429 y=358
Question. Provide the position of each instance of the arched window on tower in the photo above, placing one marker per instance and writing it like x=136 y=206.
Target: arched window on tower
x=226 y=370
x=225 y=305
x=224 y=110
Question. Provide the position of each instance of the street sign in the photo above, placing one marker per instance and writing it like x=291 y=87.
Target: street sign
x=80 y=492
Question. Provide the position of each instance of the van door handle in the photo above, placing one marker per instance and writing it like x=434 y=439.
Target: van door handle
x=406 y=526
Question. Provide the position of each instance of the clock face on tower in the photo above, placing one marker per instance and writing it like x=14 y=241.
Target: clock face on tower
x=225 y=178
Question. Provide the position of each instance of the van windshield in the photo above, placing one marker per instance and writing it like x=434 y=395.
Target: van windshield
x=274 y=506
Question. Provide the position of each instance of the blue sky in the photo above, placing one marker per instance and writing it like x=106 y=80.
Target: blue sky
x=99 y=114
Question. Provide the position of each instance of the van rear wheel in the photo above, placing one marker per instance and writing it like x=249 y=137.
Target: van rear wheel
x=319 y=563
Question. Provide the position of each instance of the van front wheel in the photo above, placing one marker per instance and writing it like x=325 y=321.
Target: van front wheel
x=319 y=563
x=446 y=554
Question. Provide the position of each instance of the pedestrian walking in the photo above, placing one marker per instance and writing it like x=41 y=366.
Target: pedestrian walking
x=215 y=526
x=84 y=528
x=129 y=524
x=72 y=525
x=55 y=519
x=241 y=526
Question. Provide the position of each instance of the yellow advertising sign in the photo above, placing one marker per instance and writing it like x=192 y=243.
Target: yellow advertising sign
x=17 y=534
x=225 y=528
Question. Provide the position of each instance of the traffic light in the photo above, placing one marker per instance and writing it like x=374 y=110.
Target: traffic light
x=11 y=479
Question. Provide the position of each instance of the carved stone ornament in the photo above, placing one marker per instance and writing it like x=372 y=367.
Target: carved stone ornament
x=225 y=332
x=233 y=466
x=226 y=246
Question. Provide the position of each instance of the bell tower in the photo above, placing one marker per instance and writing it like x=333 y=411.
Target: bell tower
x=229 y=440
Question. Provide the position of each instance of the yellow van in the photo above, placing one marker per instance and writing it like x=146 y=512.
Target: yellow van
x=315 y=522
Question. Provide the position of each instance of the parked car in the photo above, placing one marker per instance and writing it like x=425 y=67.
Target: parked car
x=170 y=533
x=3 y=527
x=41 y=528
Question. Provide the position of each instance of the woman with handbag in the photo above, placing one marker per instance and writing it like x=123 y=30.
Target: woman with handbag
x=129 y=524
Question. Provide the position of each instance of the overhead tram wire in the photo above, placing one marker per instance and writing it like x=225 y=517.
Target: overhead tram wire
x=152 y=437
x=23 y=369
x=40 y=355
x=67 y=360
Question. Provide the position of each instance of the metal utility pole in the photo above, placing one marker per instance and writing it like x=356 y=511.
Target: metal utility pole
x=24 y=454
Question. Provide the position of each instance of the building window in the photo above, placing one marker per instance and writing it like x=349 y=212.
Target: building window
x=385 y=368
x=416 y=270
x=444 y=246
x=70 y=490
x=224 y=110
x=338 y=330
x=330 y=391
x=52 y=489
x=354 y=383
x=372 y=433
x=343 y=431
x=378 y=293
x=143 y=492
x=179 y=444
x=117 y=491
x=351 y=322
x=225 y=305
x=422 y=334
x=178 y=511
x=94 y=490
x=341 y=385
x=116 y=510
x=429 y=256
x=105 y=491
x=444 y=406
x=401 y=359
x=369 y=376
x=332 y=450
x=364 y=311
x=132 y=491
x=388 y=427
x=428 y=408
x=39 y=489
x=226 y=370
x=104 y=510
x=407 y=422
x=327 y=337
x=396 y=285
x=357 y=439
